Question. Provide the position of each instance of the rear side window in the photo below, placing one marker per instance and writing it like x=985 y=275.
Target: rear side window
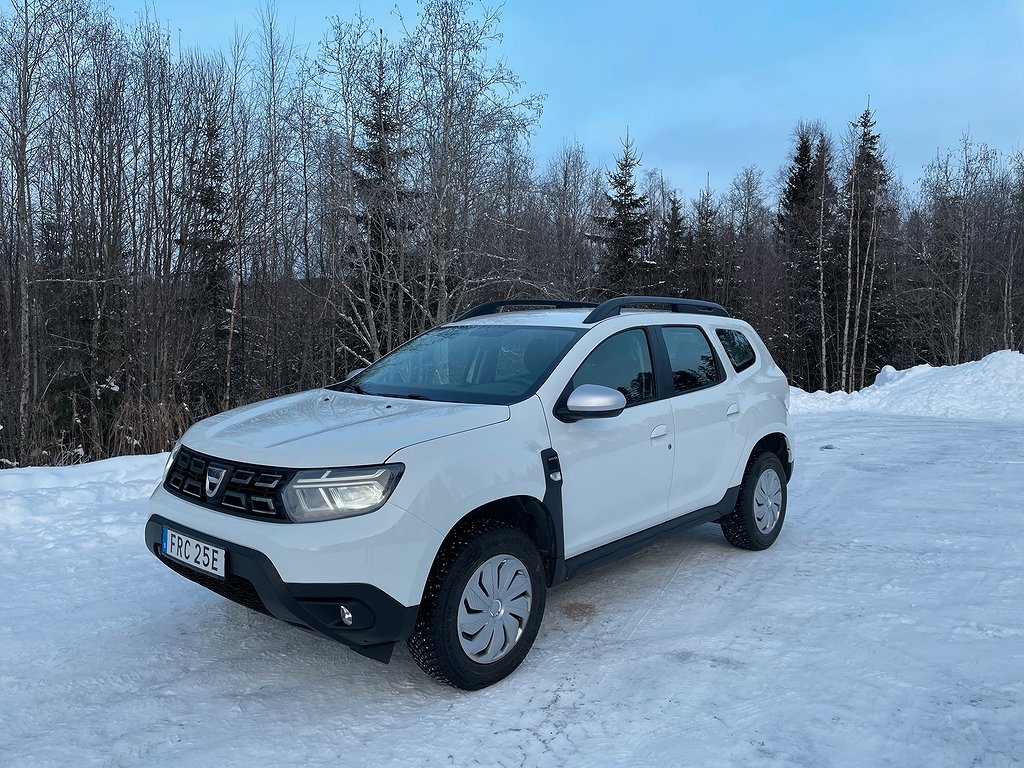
x=622 y=362
x=740 y=353
x=694 y=365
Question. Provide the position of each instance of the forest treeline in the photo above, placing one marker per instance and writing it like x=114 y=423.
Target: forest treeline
x=183 y=231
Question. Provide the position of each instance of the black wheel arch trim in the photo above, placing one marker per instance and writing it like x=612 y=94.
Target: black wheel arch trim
x=779 y=444
x=552 y=501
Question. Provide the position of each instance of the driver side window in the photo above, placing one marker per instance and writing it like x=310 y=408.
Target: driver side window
x=622 y=362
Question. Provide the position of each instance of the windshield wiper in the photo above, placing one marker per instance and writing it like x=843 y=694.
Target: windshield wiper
x=346 y=386
x=408 y=396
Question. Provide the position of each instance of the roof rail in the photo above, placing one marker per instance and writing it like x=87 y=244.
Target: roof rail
x=492 y=307
x=612 y=307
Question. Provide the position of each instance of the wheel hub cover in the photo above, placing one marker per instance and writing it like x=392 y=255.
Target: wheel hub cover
x=494 y=608
x=767 y=501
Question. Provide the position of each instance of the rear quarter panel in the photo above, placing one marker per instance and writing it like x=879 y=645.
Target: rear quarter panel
x=765 y=395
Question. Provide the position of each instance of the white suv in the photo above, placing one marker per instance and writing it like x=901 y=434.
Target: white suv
x=435 y=496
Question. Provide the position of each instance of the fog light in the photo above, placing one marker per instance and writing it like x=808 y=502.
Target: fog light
x=346 y=616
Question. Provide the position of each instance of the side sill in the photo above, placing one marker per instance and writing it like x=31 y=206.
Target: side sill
x=637 y=541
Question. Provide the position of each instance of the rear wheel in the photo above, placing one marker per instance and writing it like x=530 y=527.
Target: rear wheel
x=756 y=521
x=482 y=607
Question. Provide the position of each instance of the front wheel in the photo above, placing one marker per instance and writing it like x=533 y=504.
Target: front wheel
x=760 y=510
x=482 y=607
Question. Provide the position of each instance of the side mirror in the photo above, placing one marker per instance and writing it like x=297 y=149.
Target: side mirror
x=354 y=372
x=592 y=401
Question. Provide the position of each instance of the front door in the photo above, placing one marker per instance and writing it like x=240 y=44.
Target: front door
x=616 y=472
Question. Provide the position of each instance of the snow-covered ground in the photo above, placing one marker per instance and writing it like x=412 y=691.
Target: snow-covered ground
x=885 y=627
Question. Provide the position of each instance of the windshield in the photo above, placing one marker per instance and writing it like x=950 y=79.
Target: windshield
x=494 y=364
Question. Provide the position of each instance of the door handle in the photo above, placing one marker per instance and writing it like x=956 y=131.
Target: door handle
x=659 y=431
x=733 y=410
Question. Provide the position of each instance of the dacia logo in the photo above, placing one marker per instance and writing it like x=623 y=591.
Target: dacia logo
x=214 y=477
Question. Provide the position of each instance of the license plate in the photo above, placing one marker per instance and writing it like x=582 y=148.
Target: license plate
x=197 y=554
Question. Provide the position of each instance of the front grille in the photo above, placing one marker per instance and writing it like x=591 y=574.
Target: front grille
x=233 y=587
x=244 y=490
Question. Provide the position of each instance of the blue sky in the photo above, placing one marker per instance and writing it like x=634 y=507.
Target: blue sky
x=708 y=88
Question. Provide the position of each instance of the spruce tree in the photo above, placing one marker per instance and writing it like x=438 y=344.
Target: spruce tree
x=627 y=228
x=866 y=193
x=385 y=216
x=826 y=268
x=796 y=225
x=379 y=158
x=704 y=276
x=673 y=246
x=205 y=246
x=796 y=208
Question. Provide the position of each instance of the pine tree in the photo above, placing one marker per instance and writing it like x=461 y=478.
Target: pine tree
x=627 y=228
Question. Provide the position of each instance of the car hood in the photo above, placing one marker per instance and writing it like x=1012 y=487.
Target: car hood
x=324 y=428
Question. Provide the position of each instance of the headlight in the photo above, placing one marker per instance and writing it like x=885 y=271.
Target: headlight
x=171 y=457
x=327 y=494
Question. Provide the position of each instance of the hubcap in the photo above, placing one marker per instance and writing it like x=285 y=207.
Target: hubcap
x=767 y=500
x=494 y=608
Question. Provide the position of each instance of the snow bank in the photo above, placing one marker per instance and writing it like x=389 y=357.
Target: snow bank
x=991 y=388
x=34 y=495
x=114 y=472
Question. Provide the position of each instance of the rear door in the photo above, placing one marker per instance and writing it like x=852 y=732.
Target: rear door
x=705 y=410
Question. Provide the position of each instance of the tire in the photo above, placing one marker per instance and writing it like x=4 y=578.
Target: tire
x=756 y=521
x=482 y=607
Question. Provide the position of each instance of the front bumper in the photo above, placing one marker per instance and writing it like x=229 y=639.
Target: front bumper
x=379 y=621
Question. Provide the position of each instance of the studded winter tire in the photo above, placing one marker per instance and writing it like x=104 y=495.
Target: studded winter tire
x=482 y=608
x=757 y=519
